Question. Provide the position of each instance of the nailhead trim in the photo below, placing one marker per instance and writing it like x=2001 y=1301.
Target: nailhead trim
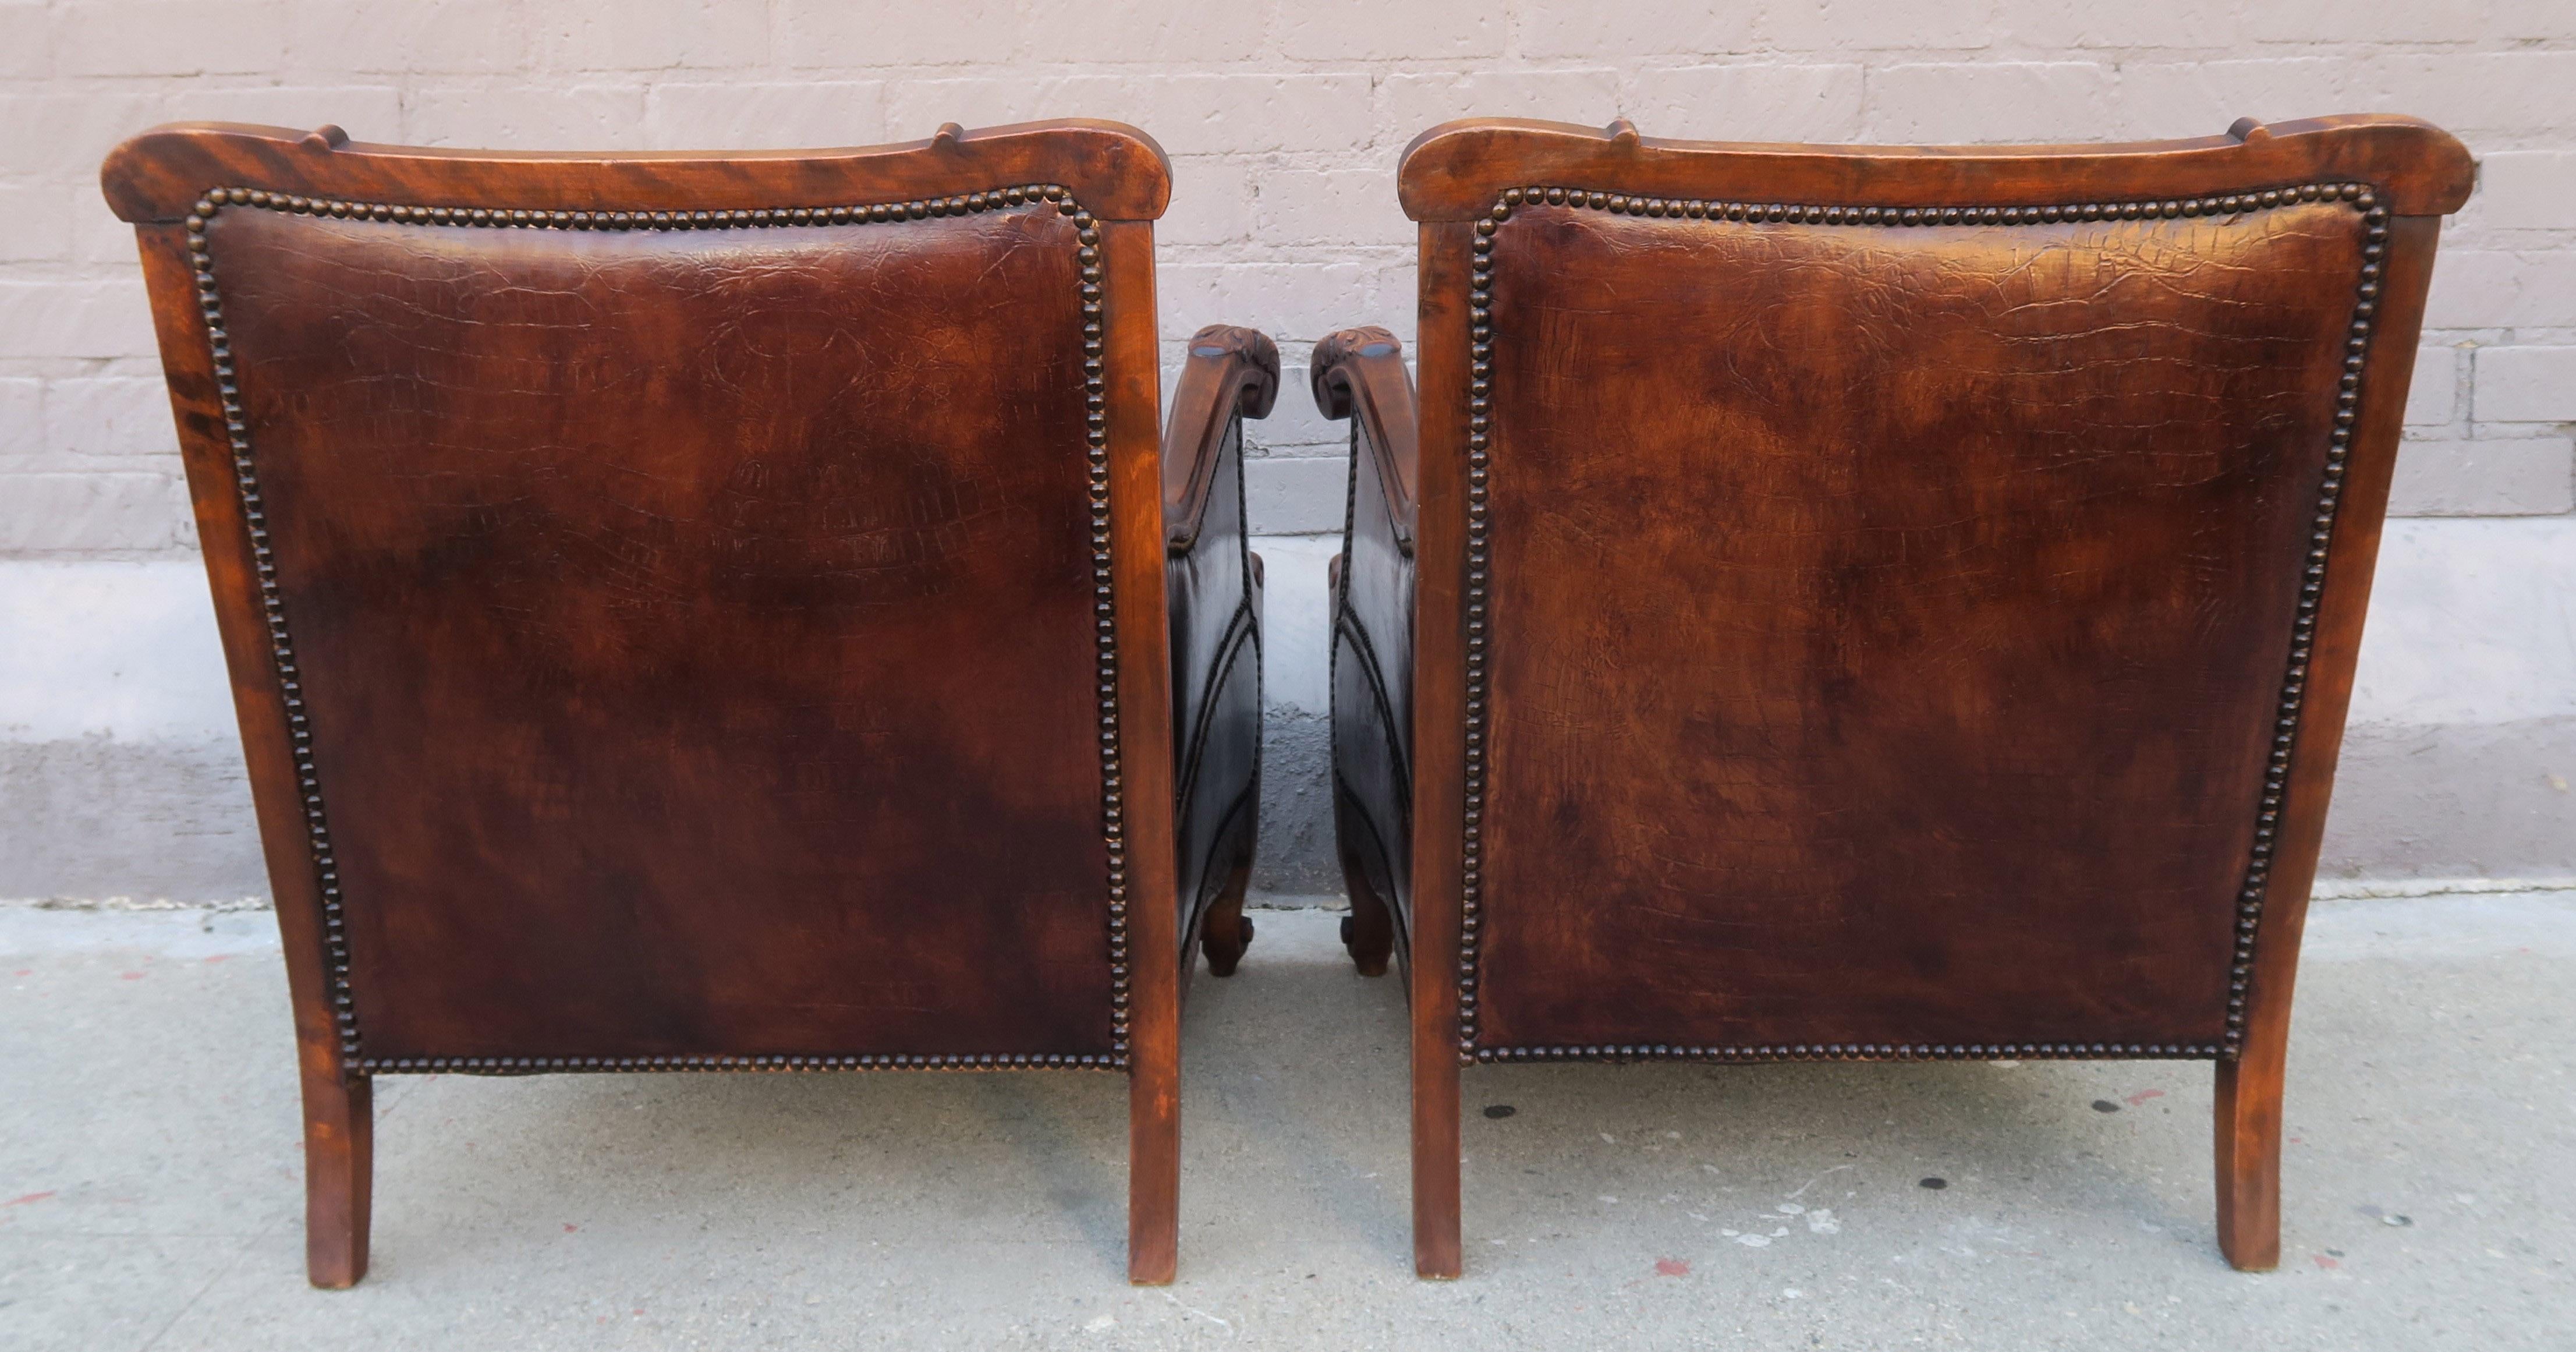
x=272 y=604
x=1860 y=1051
x=2276 y=775
x=530 y=1065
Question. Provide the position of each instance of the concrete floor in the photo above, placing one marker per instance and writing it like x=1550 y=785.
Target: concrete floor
x=149 y=1192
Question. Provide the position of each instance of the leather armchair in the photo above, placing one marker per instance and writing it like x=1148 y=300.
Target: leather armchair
x=698 y=612
x=1359 y=375
x=1869 y=603
x=1215 y=588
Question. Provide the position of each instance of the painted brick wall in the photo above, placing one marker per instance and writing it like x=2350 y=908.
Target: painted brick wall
x=1284 y=121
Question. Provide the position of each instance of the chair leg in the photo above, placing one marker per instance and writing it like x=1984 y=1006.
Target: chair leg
x=1153 y=1173
x=339 y=1176
x=2249 y=1158
x=1227 y=932
x=1369 y=931
x=1436 y=1247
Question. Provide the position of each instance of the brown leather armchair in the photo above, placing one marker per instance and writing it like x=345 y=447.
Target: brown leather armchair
x=716 y=612
x=1868 y=603
x=1214 y=583
x=1359 y=374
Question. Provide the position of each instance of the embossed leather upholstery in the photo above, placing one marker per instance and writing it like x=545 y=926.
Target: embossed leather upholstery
x=695 y=627
x=1372 y=585
x=1215 y=586
x=1889 y=623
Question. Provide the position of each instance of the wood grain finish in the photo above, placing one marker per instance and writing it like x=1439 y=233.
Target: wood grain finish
x=1435 y=915
x=1458 y=170
x=1114 y=170
x=1888 y=599
x=690 y=612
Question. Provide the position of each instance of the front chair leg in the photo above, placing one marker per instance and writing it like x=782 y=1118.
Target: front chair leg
x=1368 y=932
x=339 y=1176
x=2249 y=1159
x=1227 y=932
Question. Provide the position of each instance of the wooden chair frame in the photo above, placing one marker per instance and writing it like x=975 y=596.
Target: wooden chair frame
x=1459 y=180
x=1115 y=182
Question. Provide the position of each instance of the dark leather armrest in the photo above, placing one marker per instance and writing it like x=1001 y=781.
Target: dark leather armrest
x=1231 y=371
x=1213 y=585
x=1360 y=373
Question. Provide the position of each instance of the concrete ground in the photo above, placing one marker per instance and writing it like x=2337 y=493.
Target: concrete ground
x=149 y=1192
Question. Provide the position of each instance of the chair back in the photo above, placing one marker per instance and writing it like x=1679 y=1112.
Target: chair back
x=678 y=602
x=1899 y=602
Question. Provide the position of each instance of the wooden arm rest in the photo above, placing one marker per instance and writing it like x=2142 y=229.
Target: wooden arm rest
x=1231 y=372
x=1360 y=372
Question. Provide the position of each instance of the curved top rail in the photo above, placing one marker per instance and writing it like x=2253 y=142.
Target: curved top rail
x=1455 y=171
x=1117 y=172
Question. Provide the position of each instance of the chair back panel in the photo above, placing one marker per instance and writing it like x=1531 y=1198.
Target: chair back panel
x=1372 y=665
x=1889 y=621
x=697 y=628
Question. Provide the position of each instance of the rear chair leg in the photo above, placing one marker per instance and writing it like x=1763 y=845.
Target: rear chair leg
x=339 y=1176
x=1437 y=1252
x=1369 y=930
x=1227 y=932
x=2249 y=1158
x=1154 y=1167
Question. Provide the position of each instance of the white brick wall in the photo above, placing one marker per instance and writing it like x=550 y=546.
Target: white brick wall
x=2526 y=384
x=2493 y=475
x=1284 y=120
